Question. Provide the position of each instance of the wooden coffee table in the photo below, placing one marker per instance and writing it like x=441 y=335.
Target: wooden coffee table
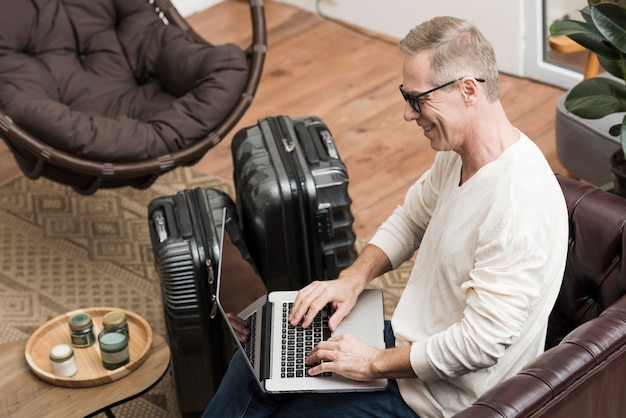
x=23 y=394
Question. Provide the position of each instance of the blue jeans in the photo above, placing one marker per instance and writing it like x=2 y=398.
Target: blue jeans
x=239 y=395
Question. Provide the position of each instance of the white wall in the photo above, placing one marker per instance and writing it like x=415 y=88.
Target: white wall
x=189 y=7
x=501 y=21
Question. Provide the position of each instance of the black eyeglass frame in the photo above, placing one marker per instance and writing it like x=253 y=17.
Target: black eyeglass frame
x=413 y=99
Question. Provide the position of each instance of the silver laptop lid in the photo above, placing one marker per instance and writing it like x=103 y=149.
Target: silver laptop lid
x=244 y=285
x=243 y=292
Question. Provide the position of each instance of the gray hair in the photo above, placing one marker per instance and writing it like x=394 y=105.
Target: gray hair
x=460 y=50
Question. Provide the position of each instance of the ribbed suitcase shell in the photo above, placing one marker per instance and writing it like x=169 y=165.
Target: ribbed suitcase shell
x=184 y=231
x=292 y=197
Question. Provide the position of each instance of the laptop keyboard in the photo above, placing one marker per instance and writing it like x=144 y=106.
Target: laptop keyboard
x=250 y=344
x=298 y=343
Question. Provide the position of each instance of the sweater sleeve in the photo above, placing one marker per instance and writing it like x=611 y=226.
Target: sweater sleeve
x=401 y=234
x=501 y=291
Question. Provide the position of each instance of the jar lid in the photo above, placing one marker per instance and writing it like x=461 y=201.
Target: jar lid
x=113 y=319
x=112 y=341
x=61 y=352
x=80 y=321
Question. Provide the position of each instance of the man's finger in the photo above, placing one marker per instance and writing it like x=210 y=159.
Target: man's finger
x=338 y=316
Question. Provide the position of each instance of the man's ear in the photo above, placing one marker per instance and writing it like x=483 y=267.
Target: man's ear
x=470 y=90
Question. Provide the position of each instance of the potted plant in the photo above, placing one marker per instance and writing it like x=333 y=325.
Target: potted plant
x=602 y=32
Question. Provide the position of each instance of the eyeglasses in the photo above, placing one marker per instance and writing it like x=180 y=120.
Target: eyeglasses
x=414 y=99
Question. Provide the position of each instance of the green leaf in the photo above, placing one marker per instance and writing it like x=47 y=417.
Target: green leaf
x=586 y=35
x=594 y=107
x=613 y=67
x=610 y=20
x=567 y=27
x=622 y=3
x=586 y=14
x=600 y=86
x=596 y=97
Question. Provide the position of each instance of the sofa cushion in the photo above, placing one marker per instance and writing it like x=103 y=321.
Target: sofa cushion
x=108 y=81
x=595 y=274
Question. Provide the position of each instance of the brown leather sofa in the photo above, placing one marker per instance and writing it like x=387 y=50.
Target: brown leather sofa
x=583 y=371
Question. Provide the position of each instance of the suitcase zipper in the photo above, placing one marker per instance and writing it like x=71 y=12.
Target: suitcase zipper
x=196 y=200
x=289 y=145
x=281 y=133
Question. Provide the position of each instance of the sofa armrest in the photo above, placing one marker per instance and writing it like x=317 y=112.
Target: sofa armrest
x=583 y=376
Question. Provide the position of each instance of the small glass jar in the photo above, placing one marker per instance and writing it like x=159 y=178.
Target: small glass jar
x=81 y=329
x=113 y=349
x=62 y=360
x=116 y=321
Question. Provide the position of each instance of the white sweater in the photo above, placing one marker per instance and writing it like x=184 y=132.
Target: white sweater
x=489 y=268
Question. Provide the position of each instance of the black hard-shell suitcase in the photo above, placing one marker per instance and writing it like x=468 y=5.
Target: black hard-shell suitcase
x=292 y=198
x=185 y=235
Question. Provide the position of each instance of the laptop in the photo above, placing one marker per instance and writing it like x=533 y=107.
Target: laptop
x=275 y=351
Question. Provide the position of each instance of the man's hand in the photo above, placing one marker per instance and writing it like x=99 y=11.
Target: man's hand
x=349 y=357
x=240 y=327
x=342 y=294
x=344 y=355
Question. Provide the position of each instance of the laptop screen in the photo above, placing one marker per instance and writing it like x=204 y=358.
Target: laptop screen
x=239 y=283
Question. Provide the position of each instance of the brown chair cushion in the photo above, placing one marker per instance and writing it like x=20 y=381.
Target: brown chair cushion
x=108 y=81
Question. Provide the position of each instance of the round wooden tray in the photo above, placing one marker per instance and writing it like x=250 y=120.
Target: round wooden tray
x=91 y=372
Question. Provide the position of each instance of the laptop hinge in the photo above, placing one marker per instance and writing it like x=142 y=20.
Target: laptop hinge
x=266 y=341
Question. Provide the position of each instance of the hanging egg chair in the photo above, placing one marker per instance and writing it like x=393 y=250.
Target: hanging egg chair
x=111 y=93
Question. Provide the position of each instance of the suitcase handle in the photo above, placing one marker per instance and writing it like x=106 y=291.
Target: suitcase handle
x=160 y=226
x=317 y=142
x=328 y=142
x=184 y=217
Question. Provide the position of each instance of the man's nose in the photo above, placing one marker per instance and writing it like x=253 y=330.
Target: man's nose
x=410 y=113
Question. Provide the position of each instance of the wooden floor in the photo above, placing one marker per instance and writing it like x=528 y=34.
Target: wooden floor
x=317 y=67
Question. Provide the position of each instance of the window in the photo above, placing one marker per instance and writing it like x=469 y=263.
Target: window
x=540 y=62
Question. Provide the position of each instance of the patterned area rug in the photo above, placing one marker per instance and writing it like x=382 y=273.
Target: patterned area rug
x=61 y=251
